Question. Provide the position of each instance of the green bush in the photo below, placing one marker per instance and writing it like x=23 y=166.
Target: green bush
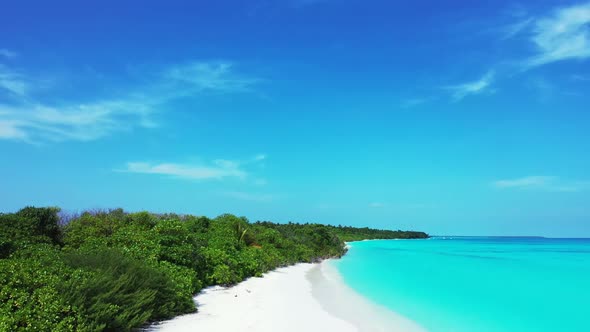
x=177 y=244
x=120 y=293
x=30 y=299
x=43 y=222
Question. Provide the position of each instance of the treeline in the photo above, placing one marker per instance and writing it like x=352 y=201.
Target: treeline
x=347 y=233
x=115 y=271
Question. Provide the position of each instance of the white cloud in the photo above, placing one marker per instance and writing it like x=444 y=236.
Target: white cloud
x=565 y=35
x=12 y=81
x=528 y=181
x=546 y=183
x=7 y=53
x=84 y=122
x=516 y=28
x=200 y=76
x=33 y=121
x=216 y=171
x=481 y=85
x=11 y=130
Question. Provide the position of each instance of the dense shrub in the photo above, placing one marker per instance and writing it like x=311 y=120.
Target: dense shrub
x=119 y=292
x=30 y=299
x=43 y=222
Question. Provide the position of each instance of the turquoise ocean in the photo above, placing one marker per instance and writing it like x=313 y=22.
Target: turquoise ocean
x=482 y=284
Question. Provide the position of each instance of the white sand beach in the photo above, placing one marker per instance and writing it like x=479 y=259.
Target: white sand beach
x=303 y=297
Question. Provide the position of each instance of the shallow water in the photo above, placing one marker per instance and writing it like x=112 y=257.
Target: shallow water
x=476 y=284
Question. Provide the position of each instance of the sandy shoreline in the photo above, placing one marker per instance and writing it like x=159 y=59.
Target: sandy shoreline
x=303 y=297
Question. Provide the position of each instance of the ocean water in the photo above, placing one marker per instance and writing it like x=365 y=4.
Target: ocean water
x=476 y=283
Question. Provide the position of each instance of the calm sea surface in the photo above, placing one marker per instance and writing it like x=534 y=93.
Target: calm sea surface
x=479 y=284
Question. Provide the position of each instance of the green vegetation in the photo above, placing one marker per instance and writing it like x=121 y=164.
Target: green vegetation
x=348 y=234
x=115 y=271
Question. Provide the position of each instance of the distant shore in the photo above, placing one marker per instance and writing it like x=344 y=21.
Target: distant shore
x=302 y=297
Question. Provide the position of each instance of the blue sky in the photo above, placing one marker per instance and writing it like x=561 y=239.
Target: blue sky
x=453 y=118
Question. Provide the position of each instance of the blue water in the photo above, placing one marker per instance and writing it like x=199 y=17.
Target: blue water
x=477 y=284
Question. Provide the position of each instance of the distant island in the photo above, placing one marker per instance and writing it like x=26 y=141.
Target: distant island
x=110 y=270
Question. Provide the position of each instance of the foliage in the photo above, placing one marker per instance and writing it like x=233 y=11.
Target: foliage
x=120 y=293
x=29 y=291
x=108 y=270
x=348 y=234
x=27 y=226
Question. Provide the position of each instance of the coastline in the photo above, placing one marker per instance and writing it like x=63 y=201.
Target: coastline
x=303 y=297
